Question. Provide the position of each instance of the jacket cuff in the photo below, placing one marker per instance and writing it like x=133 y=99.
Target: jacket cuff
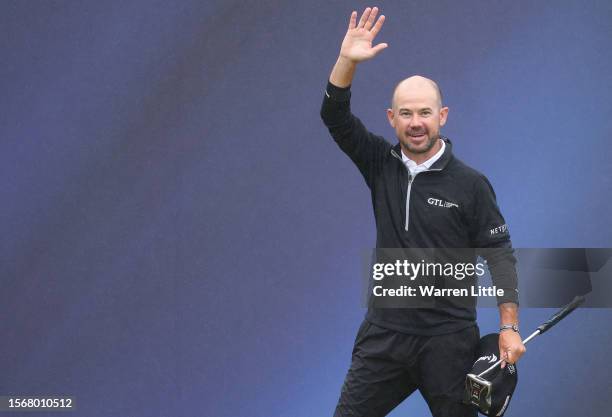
x=510 y=296
x=337 y=93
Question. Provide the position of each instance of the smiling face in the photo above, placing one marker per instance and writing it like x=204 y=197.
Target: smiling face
x=417 y=115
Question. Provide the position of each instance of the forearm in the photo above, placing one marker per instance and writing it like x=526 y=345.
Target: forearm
x=343 y=72
x=508 y=314
x=502 y=266
x=364 y=148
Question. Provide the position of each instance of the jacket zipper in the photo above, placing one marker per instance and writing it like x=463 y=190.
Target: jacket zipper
x=410 y=181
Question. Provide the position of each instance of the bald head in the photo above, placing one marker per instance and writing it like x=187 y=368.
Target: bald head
x=417 y=87
x=417 y=116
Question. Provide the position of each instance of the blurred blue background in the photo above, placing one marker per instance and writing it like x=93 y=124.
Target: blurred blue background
x=181 y=236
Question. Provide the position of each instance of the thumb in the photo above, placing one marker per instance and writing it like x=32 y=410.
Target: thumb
x=503 y=356
x=379 y=48
x=510 y=357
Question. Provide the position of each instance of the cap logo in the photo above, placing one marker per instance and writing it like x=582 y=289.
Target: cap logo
x=491 y=358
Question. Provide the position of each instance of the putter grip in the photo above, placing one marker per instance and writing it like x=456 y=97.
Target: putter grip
x=559 y=315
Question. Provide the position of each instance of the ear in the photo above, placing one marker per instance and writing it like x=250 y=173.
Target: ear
x=443 y=115
x=391 y=118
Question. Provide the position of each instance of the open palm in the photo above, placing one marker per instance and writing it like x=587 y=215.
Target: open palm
x=357 y=43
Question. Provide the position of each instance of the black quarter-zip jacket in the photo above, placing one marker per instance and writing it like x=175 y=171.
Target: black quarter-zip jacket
x=450 y=206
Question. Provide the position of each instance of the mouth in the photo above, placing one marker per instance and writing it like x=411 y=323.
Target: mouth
x=417 y=137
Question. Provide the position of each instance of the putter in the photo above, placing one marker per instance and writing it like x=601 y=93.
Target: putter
x=478 y=390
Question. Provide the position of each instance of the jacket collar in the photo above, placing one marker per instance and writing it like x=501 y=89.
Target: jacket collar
x=441 y=163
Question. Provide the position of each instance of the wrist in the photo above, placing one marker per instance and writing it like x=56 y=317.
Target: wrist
x=510 y=326
x=346 y=61
x=343 y=72
x=508 y=314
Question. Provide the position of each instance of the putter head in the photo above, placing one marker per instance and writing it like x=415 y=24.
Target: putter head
x=478 y=392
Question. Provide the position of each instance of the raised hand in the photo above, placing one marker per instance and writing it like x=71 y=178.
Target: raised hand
x=357 y=43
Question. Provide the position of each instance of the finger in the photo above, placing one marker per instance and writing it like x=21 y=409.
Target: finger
x=379 y=48
x=510 y=357
x=370 y=21
x=503 y=356
x=364 y=17
x=520 y=351
x=353 y=20
x=378 y=26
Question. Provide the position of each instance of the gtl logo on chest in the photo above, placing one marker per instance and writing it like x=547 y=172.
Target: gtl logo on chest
x=441 y=203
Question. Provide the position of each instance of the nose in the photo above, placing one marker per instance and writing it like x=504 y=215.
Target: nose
x=415 y=121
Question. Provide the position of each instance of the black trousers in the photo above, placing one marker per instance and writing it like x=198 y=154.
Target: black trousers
x=388 y=366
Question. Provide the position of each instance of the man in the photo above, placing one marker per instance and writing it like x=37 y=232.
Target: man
x=398 y=351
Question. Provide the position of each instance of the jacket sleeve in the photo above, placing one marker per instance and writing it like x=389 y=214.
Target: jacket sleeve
x=490 y=235
x=364 y=148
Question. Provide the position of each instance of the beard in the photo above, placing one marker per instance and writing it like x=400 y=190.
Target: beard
x=422 y=148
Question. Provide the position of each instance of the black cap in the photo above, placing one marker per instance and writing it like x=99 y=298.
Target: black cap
x=503 y=381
